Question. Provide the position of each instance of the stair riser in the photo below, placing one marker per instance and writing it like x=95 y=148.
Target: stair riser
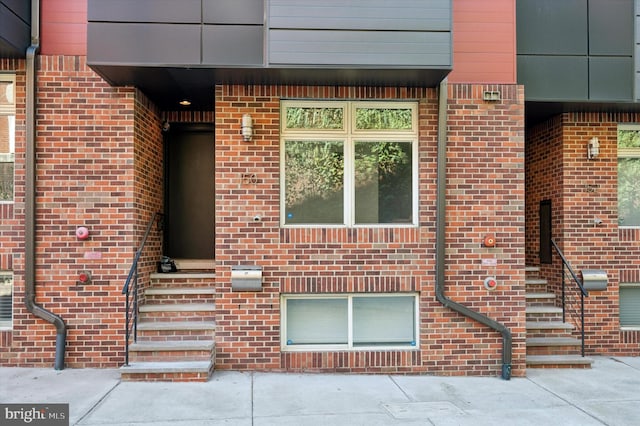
x=584 y=366
x=183 y=282
x=548 y=333
x=553 y=350
x=165 y=377
x=169 y=356
x=165 y=299
x=175 y=335
x=543 y=317
x=177 y=316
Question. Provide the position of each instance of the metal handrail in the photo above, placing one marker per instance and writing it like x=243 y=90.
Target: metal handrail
x=131 y=291
x=583 y=292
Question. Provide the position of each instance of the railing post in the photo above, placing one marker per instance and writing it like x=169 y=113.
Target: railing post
x=563 y=295
x=126 y=325
x=582 y=317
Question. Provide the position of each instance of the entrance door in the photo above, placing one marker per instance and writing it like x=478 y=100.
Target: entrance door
x=190 y=192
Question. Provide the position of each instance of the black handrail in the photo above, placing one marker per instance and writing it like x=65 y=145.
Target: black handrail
x=583 y=292
x=131 y=291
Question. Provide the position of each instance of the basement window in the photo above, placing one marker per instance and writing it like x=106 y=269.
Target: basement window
x=630 y=306
x=351 y=321
x=6 y=300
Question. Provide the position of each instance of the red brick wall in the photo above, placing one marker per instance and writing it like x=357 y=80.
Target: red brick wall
x=485 y=194
x=98 y=165
x=583 y=190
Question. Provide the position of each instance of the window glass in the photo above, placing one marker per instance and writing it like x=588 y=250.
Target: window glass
x=7 y=137
x=628 y=176
x=6 y=299
x=383 y=175
x=383 y=320
x=384 y=118
x=349 y=163
x=349 y=321
x=630 y=305
x=314 y=179
x=317 y=321
x=324 y=118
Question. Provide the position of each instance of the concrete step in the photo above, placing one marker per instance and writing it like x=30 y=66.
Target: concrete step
x=558 y=361
x=179 y=291
x=171 y=351
x=180 y=371
x=532 y=269
x=179 y=307
x=548 y=325
x=553 y=341
x=176 y=325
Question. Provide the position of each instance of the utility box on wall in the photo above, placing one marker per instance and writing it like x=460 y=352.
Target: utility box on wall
x=594 y=279
x=246 y=278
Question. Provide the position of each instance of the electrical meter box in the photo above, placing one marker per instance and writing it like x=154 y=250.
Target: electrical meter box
x=246 y=278
x=594 y=279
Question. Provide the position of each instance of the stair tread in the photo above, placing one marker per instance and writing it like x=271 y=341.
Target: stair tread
x=540 y=295
x=543 y=310
x=532 y=268
x=535 y=281
x=555 y=325
x=558 y=359
x=178 y=307
x=181 y=275
x=553 y=341
x=180 y=290
x=176 y=325
x=182 y=345
x=167 y=367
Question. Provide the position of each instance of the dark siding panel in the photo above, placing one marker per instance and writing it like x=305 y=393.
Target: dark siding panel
x=611 y=27
x=552 y=27
x=183 y=11
x=246 y=42
x=149 y=44
x=15 y=34
x=385 y=49
x=247 y=12
x=611 y=79
x=554 y=77
x=402 y=15
x=22 y=8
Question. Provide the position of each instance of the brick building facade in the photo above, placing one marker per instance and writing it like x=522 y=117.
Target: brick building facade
x=101 y=162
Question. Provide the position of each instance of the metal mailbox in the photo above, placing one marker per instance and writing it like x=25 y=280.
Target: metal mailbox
x=246 y=278
x=594 y=279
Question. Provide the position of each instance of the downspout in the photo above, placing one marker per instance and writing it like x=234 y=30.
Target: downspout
x=441 y=235
x=30 y=192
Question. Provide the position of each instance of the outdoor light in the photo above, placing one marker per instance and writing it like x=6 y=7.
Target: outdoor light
x=247 y=127
x=185 y=102
x=593 y=148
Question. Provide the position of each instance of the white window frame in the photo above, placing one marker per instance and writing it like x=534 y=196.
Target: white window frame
x=349 y=345
x=349 y=135
x=635 y=327
x=9 y=110
x=8 y=324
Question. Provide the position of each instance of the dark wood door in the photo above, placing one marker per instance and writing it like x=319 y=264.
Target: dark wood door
x=190 y=192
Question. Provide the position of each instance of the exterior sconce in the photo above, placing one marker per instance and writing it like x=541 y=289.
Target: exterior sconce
x=247 y=127
x=593 y=148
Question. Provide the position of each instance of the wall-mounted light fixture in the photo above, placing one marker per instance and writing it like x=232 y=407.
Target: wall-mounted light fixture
x=247 y=127
x=593 y=148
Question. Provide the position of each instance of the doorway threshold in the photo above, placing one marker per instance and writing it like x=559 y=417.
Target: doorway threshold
x=195 y=265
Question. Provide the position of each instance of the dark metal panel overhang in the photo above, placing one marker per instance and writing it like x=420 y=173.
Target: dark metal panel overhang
x=15 y=28
x=166 y=85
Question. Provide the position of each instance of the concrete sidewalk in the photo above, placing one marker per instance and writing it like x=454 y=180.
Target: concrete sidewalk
x=608 y=394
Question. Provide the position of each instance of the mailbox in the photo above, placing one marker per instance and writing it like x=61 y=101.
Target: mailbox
x=246 y=278
x=594 y=279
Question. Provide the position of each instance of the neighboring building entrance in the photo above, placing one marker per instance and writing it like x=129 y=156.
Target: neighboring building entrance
x=190 y=192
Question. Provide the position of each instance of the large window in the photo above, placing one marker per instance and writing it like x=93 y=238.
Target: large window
x=7 y=135
x=351 y=321
x=630 y=306
x=629 y=175
x=6 y=299
x=349 y=163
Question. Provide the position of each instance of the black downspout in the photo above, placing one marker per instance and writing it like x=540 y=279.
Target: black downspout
x=441 y=235
x=30 y=193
